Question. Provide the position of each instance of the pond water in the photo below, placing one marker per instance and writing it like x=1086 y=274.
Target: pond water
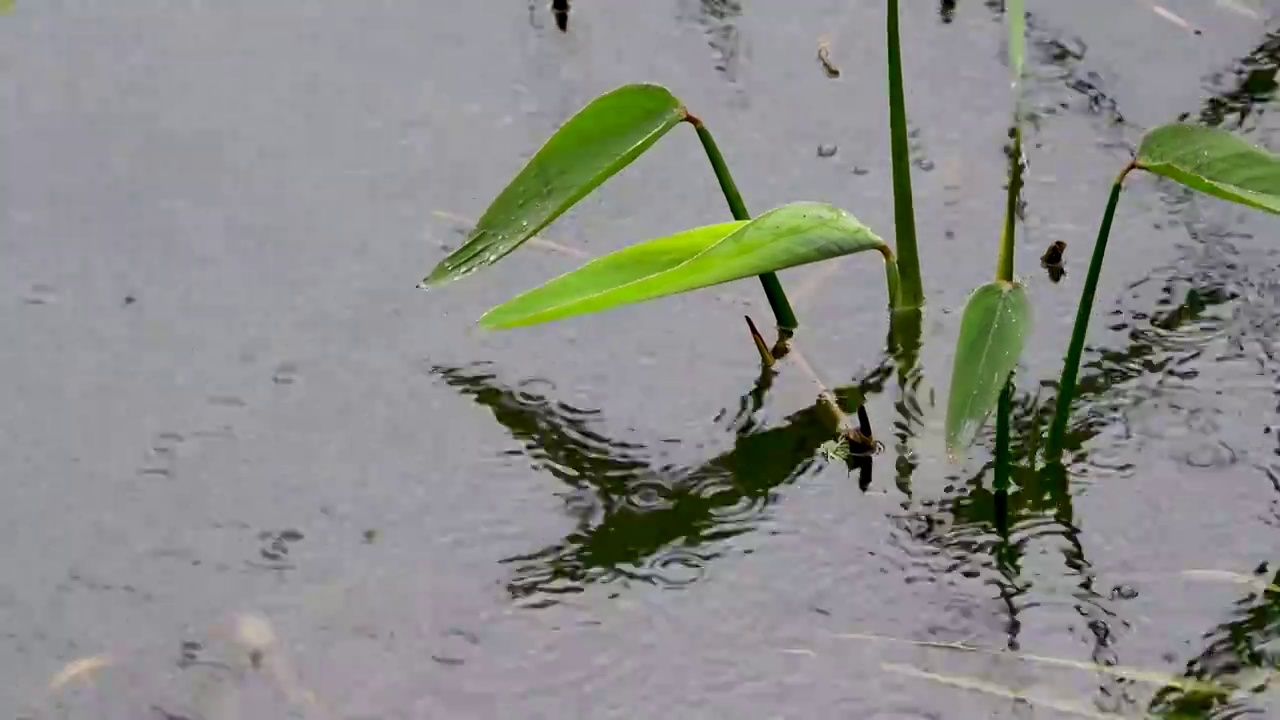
x=250 y=471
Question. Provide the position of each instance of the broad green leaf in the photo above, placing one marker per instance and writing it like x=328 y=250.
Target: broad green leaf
x=996 y=320
x=5 y=6
x=791 y=235
x=604 y=137
x=1214 y=162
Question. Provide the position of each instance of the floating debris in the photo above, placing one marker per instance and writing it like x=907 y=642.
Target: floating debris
x=1052 y=260
x=82 y=667
x=826 y=150
x=824 y=57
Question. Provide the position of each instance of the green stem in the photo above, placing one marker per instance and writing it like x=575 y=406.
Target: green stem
x=891 y=279
x=1071 y=367
x=782 y=311
x=1004 y=267
x=912 y=287
x=1003 y=458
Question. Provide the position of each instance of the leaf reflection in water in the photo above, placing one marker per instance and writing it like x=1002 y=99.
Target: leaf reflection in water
x=639 y=519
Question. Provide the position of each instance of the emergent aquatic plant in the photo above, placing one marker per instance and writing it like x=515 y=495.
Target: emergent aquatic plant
x=996 y=317
x=616 y=128
x=1209 y=160
x=596 y=143
x=610 y=133
x=599 y=141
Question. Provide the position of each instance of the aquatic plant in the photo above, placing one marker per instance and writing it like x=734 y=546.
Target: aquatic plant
x=1208 y=160
x=616 y=128
x=996 y=317
x=595 y=144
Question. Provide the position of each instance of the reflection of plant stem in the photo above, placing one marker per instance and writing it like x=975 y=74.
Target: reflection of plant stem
x=831 y=412
x=911 y=291
x=778 y=302
x=1003 y=458
x=1071 y=367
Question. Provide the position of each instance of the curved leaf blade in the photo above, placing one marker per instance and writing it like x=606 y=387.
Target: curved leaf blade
x=1214 y=162
x=996 y=320
x=603 y=138
x=785 y=237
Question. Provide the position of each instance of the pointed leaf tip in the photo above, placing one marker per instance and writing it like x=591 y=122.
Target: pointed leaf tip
x=595 y=144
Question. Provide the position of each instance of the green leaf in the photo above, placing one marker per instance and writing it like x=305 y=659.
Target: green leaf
x=604 y=137
x=995 y=322
x=791 y=235
x=5 y=6
x=1214 y=162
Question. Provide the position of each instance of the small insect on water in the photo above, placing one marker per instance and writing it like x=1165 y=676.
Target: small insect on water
x=560 y=9
x=1052 y=260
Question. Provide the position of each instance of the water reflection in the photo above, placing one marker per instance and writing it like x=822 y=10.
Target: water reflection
x=637 y=518
x=720 y=22
x=1243 y=650
x=1254 y=86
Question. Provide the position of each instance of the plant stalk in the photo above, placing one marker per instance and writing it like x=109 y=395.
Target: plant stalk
x=1003 y=458
x=911 y=294
x=782 y=312
x=1004 y=266
x=1071 y=366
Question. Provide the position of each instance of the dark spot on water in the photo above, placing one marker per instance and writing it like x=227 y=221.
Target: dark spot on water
x=130 y=299
x=1124 y=592
x=464 y=634
x=40 y=294
x=226 y=401
x=444 y=660
x=276 y=544
x=826 y=151
x=189 y=653
x=860 y=170
x=947 y=11
x=370 y=536
x=286 y=373
x=560 y=10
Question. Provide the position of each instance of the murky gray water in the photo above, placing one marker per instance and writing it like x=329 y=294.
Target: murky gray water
x=230 y=419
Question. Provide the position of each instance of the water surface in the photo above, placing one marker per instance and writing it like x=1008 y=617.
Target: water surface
x=227 y=404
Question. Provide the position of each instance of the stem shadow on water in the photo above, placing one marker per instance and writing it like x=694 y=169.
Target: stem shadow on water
x=637 y=518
